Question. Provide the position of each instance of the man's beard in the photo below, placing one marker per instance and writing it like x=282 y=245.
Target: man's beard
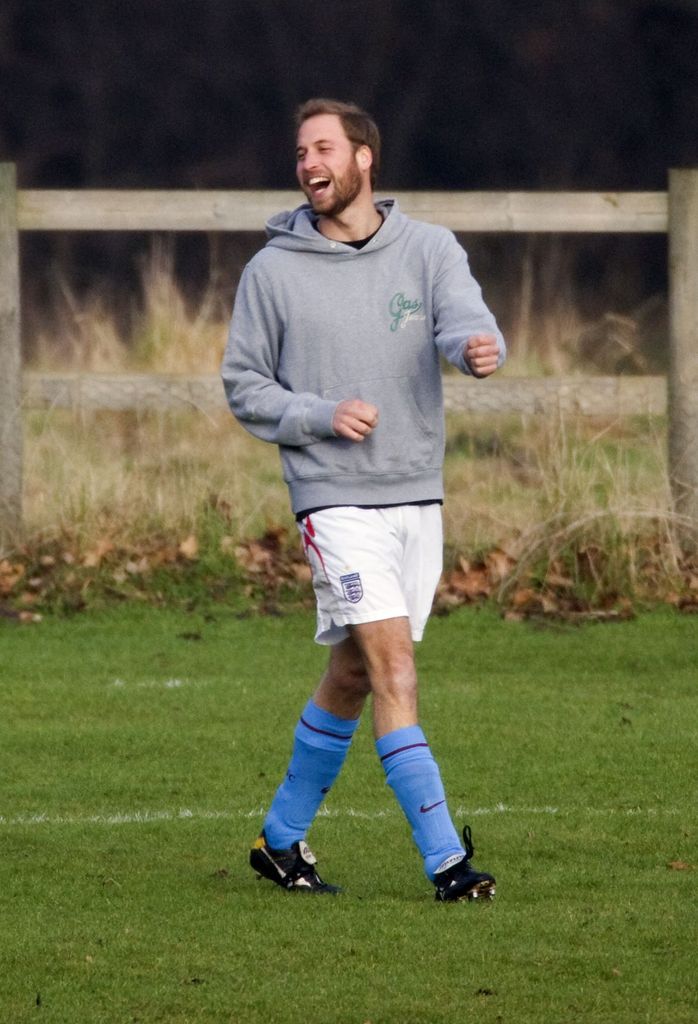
x=345 y=189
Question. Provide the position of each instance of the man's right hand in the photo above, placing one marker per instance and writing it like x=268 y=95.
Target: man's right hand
x=354 y=419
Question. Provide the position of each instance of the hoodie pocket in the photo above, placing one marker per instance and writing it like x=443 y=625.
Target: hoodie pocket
x=402 y=442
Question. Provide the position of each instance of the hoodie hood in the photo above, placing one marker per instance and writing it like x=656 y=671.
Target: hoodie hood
x=296 y=230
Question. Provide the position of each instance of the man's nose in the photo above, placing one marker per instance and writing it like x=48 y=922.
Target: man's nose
x=308 y=163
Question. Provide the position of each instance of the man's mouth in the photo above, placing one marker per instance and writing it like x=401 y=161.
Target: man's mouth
x=318 y=185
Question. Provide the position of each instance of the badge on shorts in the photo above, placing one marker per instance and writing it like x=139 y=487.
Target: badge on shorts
x=351 y=587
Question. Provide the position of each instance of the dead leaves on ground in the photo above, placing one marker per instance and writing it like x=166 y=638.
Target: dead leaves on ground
x=59 y=573
x=572 y=590
x=12 y=579
x=10 y=575
x=498 y=576
x=63 y=573
x=273 y=560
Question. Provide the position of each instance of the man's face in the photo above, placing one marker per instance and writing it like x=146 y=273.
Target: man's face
x=327 y=167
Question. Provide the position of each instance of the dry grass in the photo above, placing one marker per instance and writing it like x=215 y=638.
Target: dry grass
x=569 y=501
x=518 y=475
x=538 y=489
x=535 y=487
x=163 y=331
x=129 y=475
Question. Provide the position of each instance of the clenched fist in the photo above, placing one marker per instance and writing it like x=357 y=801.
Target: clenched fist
x=354 y=419
x=481 y=353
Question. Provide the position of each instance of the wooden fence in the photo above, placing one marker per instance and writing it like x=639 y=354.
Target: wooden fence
x=675 y=212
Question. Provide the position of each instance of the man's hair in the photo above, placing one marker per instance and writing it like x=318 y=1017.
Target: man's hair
x=359 y=127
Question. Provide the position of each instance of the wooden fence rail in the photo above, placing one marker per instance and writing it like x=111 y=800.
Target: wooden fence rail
x=114 y=210
x=675 y=212
x=582 y=396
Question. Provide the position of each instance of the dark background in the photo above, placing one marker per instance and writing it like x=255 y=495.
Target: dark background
x=481 y=94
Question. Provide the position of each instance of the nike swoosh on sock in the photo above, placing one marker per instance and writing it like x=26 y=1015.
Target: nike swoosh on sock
x=423 y=809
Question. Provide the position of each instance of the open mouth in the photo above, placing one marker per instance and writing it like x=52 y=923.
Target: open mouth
x=318 y=186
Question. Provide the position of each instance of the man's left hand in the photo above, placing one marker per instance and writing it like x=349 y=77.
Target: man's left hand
x=481 y=353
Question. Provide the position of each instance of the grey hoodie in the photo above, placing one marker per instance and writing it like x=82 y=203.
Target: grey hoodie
x=317 y=321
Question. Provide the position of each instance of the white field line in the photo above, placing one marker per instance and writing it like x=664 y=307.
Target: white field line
x=148 y=817
x=154 y=684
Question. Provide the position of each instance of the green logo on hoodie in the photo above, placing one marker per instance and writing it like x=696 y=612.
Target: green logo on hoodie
x=402 y=310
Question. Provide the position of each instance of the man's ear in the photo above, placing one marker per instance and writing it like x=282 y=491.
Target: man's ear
x=365 y=157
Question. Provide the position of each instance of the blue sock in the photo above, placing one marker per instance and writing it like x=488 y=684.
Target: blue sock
x=321 y=743
x=414 y=777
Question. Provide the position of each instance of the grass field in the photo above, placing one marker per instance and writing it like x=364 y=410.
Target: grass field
x=139 y=747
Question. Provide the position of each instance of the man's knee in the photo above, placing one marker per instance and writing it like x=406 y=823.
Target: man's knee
x=387 y=649
x=346 y=671
x=388 y=655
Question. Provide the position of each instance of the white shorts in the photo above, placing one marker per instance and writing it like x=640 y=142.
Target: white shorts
x=372 y=564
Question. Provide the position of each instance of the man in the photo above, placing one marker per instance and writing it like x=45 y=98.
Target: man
x=333 y=355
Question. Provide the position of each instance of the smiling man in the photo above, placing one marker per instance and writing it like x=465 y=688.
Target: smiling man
x=333 y=355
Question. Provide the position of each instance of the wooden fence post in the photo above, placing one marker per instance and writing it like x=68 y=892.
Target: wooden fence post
x=683 y=342
x=10 y=363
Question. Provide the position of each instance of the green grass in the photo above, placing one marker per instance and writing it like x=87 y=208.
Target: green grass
x=138 y=748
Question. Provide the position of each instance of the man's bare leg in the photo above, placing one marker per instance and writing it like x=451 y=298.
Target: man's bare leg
x=388 y=654
x=345 y=685
x=321 y=741
x=378 y=658
x=411 y=771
